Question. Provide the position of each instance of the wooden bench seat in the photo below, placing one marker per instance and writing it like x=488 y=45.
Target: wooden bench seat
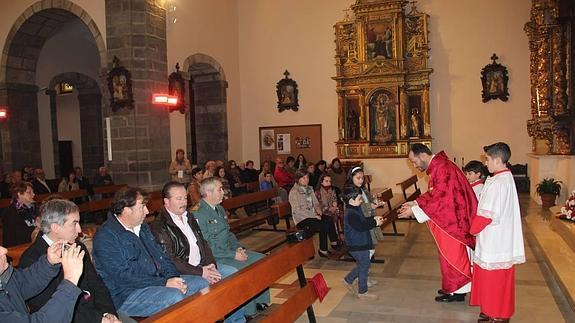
x=213 y=303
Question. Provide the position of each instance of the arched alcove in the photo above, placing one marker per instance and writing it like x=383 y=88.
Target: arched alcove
x=206 y=119
x=18 y=71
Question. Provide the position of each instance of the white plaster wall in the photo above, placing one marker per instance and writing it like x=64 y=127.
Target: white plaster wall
x=211 y=28
x=298 y=36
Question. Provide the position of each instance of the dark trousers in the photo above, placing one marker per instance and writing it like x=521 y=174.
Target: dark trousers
x=325 y=227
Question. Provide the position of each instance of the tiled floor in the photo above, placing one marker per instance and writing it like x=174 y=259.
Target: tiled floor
x=410 y=277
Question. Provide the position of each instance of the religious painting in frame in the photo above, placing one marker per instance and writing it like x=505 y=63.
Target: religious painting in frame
x=287 y=93
x=379 y=39
x=120 y=87
x=494 y=80
x=267 y=137
x=177 y=87
x=283 y=144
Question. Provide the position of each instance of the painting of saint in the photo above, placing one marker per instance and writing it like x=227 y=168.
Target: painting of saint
x=120 y=87
x=379 y=41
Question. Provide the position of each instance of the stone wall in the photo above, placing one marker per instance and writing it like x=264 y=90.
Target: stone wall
x=136 y=34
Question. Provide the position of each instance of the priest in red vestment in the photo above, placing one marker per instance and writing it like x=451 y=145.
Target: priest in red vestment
x=448 y=207
x=499 y=240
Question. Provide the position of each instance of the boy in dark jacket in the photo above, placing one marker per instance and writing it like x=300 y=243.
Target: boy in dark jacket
x=358 y=239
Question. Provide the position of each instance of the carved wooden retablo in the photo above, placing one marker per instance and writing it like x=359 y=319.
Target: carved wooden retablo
x=382 y=77
x=551 y=35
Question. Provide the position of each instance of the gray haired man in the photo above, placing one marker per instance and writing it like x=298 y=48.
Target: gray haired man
x=61 y=222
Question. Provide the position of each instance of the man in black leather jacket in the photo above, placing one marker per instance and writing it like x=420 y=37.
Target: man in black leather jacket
x=178 y=232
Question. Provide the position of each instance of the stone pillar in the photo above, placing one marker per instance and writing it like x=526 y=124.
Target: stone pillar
x=211 y=120
x=91 y=124
x=20 y=132
x=136 y=34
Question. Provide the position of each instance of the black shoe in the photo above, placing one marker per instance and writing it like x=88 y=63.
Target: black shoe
x=261 y=307
x=448 y=298
x=323 y=254
x=441 y=292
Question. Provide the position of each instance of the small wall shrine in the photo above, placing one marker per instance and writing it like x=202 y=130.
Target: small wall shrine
x=382 y=77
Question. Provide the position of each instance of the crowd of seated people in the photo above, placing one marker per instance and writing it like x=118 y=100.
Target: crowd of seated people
x=185 y=249
x=20 y=222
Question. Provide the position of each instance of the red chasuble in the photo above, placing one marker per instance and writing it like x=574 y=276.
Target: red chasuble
x=450 y=204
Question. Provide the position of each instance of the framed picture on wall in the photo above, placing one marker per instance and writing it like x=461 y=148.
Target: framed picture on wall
x=283 y=144
x=268 y=140
x=494 y=80
x=120 y=87
x=287 y=92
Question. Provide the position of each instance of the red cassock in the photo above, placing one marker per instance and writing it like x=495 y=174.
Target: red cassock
x=450 y=204
x=493 y=290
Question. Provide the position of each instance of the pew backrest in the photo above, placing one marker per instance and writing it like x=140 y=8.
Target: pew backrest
x=405 y=188
x=250 y=198
x=110 y=189
x=221 y=298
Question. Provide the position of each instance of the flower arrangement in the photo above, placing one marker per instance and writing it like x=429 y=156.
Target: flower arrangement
x=568 y=208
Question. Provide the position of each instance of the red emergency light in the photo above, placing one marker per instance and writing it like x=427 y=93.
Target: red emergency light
x=165 y=99
x=3 y=113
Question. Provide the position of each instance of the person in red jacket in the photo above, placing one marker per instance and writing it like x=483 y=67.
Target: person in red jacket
x=282 y=176
x=448 y=208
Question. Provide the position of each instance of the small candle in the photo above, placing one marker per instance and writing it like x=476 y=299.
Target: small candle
x=538 y=105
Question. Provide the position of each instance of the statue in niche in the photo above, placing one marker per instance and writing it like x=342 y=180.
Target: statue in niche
x=352 y=124
x=384 y=116
x=415 y=122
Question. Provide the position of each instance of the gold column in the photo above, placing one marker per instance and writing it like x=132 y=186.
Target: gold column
x=425 y=106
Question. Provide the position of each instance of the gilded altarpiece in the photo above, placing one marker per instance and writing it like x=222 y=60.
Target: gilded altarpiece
x=551 y=37
x=382 y=77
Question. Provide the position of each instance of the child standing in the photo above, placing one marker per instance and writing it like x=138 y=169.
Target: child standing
x=358 y=239
x=499 y=245
x=475 y=173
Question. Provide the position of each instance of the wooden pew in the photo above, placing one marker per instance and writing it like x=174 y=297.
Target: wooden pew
x=213 y=303
x=253 y=187
x=283 y=211
x=16 y=252
x=391 y=214
x=69 y=195
x=253 y=220
x=406 y=184
x=110 y=189
x=250 y=198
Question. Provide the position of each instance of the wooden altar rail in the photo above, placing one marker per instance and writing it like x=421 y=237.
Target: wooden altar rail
x=216 y=301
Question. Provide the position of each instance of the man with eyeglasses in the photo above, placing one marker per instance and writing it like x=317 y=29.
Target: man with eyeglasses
x=141 y=279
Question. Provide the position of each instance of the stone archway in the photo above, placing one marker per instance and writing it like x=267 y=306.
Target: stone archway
x=18 y=65
x=206 y=126
x=90 y=102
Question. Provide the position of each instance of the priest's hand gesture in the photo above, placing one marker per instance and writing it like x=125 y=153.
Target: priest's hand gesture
x=405 y=210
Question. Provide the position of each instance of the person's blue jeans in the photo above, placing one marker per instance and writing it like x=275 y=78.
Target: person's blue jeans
x=239 y=315
x=264 y=296
x=360 y=271
x=225 y=270
x=147 y=301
